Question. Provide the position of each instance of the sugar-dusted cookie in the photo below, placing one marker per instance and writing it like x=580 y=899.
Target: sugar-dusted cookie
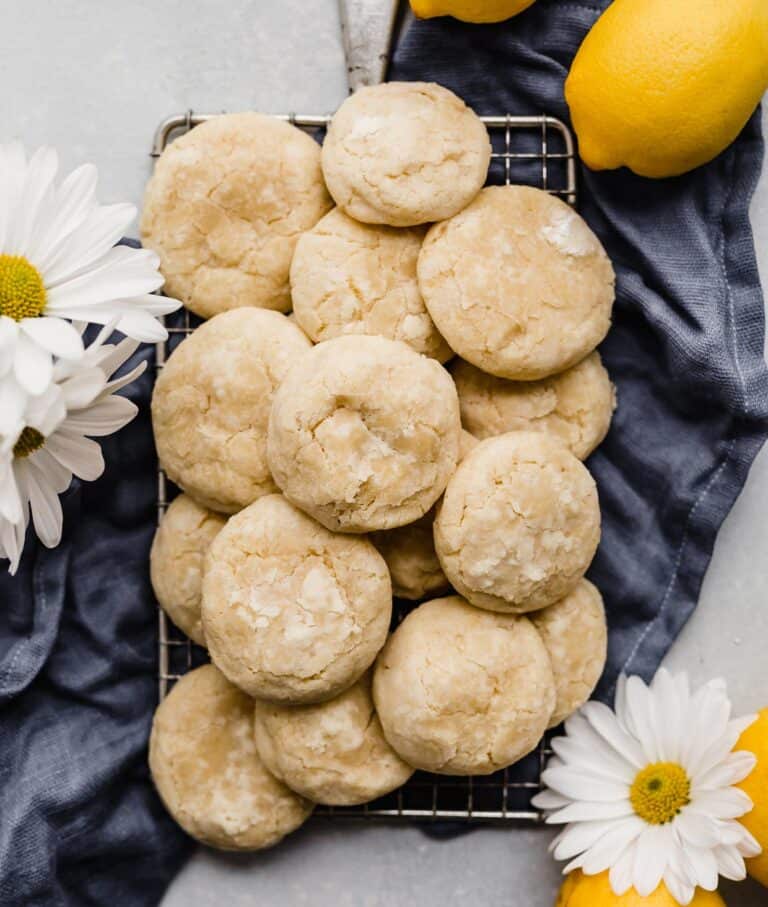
x=211 y=403
x=333 y=752
x=410 y=550
x=176 y=561
x=575 y=406
x=517 y=283
x=405 y=153
x=575 y=634
x=206 y=768
x=353 y=278
x=293 y=613
x=225 y=207
x=364 y=433
x=519 y=523
x=461 y=691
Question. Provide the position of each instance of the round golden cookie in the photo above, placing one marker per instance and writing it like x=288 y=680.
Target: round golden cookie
x=575 y=406
x=519 y=523
x=205 y=766
x=410 y=550
x=225 y=207
x=353 y=278
x=364 y=433
x=461 y=691
x=517 y=283
x=293 y=613
x=176 y=562
x=210 y=406
x=334 y=752
x=405 y=153
x=576 y=636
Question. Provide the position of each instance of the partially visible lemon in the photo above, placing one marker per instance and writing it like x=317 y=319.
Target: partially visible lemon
x=580 y=890
x=755 y=739
x=470 y=10
x=663 y=86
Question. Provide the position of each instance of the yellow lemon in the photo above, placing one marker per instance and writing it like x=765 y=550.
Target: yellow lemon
x=755 y=739
x=663 y=86
x=470 y=10
x=595 y=891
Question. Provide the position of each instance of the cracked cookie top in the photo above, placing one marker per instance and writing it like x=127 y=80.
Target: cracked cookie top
x=206 y=768
x=405 y=153
x=176 y=561
x=519 y=523
x=574 y=406
x=353 y=278
x=333 y=752
x=410 y=550
x=575 y=634
x=293 y=613
x=225 y=206
x=364 y=433
x=210 y=406
x=461 y=691
x=517 y=283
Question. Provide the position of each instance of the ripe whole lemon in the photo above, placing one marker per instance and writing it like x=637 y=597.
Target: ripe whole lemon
x=663 y=86
x=470 y=10
x=580 y=890
x=755 y=739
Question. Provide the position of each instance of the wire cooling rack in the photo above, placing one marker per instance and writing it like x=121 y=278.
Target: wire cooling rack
x=532 y=150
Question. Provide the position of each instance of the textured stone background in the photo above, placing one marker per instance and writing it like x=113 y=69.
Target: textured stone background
x=95 y=79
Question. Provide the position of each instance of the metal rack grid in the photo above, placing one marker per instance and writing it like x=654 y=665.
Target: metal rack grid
x=533 y=150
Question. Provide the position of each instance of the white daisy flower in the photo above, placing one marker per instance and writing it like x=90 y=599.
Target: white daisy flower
x=646 y=792
x=54 y=443
x=58 y=261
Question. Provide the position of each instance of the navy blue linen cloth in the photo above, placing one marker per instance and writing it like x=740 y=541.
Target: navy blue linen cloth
x=79 y=822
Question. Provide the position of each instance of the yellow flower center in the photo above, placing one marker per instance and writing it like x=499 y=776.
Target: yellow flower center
x=29 y=441
x=659 y=792
x=22 y=291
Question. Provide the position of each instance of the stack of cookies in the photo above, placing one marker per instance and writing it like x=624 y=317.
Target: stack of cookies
x=415 y=428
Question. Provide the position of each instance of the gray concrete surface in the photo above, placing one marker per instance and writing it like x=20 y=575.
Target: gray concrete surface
x=94 y=79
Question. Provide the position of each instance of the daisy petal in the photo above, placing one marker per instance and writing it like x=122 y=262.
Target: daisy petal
x=725 y=803
x=582 y=786
x=83 y=388
x=605 y=852
x=44 y=504
x=653 y=845
x=81 y=456
x=730 y=864
x=582 y=811
x=55 y=335
x=620 y=875
x=103 y=418
x=579 y=837
x=604 y=722
x=33 y=367
x=734 y=768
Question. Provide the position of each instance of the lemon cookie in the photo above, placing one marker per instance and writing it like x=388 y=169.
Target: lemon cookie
x=176 y=562
x=575 y=406
x=405 y=153
x=517 y=283
x=353 y=278
x=519 y=523
x=225 y=207
x=208 y=773
x=463 y=691
x=364 y=433
x=211 y=402
x=292 y=612
x=334 y=752
x=410 y=551
x=575 y=635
